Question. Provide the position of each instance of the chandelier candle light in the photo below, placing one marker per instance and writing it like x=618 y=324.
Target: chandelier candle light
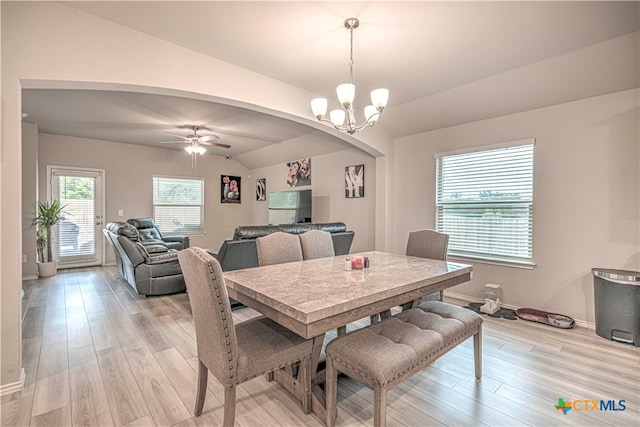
x=346 y=94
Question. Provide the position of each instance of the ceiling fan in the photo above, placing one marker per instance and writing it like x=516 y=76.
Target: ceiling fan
x=196 y=141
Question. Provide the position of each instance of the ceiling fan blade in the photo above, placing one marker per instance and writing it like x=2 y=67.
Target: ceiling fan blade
x=208 y=138
x=179 y=136
x=197 y=139
x=173 y=142
x=217 y=144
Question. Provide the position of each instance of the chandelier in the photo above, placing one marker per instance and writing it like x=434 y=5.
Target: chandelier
x=346 y=93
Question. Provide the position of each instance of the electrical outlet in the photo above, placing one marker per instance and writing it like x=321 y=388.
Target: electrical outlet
x=24 y=258
x=120 y=212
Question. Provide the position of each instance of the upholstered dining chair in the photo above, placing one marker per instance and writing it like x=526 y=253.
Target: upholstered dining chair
x=235 y=353
x=427 y=244
x=316 y=244
x=278 y=248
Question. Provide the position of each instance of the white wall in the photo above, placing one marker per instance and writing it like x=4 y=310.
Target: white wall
x=586 y=197
x=328 y=188
x=29 y=197
x=48 y=45
x=129 y=170
x=45 y=44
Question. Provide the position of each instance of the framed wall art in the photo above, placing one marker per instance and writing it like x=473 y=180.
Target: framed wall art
x=230 y=189
x=261 y=189
x=354 y=181
x=299 y=172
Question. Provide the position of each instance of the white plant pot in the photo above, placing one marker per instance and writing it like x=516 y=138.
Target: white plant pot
x=47 y=269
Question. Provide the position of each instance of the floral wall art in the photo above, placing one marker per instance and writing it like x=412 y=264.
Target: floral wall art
x=229 y=189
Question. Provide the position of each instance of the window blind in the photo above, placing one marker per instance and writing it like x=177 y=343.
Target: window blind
x=178 y=204
x=484 y=202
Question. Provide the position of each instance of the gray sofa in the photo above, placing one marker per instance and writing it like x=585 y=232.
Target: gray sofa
x=240 y=251
x=150 y=268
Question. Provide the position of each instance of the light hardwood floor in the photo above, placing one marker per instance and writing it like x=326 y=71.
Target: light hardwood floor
x=95 y=354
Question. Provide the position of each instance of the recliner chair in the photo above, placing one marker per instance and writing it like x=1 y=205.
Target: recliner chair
x=150 y=269
x=150 y=234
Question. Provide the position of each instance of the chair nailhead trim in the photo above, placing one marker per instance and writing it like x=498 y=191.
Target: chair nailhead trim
x=225 y=325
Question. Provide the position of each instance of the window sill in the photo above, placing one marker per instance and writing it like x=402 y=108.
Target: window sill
x=498 y=262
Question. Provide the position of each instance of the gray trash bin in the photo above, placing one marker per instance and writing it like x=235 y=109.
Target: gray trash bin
x=617 y=304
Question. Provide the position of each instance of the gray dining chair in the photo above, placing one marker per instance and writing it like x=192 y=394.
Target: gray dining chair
x=278 y=248
x=316 y=244
x=235 y=353
x=427 y=244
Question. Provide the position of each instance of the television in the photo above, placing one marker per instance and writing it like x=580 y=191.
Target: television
x=289 y=207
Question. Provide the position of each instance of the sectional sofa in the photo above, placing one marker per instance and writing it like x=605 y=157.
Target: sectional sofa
x=240 y=251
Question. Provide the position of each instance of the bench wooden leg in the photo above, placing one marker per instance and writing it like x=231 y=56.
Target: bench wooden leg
x=331 y=388
x=477 y=352
x=379 y=406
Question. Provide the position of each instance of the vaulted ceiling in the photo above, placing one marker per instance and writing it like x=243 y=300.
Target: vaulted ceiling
x=445 y=63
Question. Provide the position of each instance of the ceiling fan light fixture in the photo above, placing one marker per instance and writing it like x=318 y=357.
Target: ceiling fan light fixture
x=195 y=149
x=346 y=94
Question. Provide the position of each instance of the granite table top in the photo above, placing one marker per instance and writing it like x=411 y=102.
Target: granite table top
x=313 y=296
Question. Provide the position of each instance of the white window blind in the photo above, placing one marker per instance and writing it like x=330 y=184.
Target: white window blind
x=178 y=204
x=484 y=203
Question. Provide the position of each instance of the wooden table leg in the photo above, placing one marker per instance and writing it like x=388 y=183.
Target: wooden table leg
x=285 y=378
x=315 y=354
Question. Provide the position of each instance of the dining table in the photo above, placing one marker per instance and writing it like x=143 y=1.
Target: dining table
x=315 y=296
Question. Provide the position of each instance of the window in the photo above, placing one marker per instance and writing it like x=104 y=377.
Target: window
x=178 y=205
x=484 y=202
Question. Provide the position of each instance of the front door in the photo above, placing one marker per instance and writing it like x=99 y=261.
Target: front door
x=79 y=234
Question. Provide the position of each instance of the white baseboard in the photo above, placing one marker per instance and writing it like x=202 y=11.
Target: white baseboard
x=33 y=277
x=464 y=299
x=13 y=387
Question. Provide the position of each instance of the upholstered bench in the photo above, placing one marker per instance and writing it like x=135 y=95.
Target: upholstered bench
x=384 y=354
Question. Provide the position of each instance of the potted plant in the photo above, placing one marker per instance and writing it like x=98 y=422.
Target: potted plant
x=47 y=216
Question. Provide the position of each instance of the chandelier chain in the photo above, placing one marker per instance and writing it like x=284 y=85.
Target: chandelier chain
x=351 y=58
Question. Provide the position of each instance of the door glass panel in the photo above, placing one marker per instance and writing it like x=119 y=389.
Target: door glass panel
x=76 y=233
x=76 y=230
